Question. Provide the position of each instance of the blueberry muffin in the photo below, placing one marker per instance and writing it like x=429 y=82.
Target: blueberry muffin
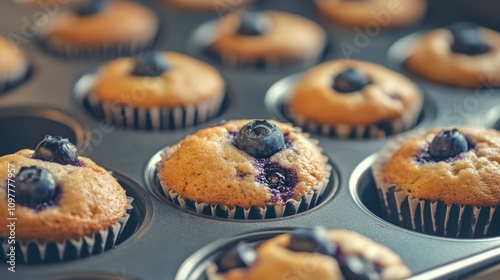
x=375 y=13
x=463 y=55
x=357 y=99
x=14 y=66
x=443 y=182
x=269 y=39
x=100 y=28
x=310 y=253
x=245 y=169
x=62 y=202
x=157 y=90
x=220 y=6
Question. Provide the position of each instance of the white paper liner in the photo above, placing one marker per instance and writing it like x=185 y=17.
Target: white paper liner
x=432 y=217
x=8 y=82
x=89 y=245
x=291 y=206
x=65 y=50
x=157 y=118
x=376 y=130
x=234 y=61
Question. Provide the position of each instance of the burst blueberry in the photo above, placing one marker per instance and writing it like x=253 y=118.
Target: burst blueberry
x=448 y=144
x=467 y=39
x=57 y=149
x=240 y=256
x=260 y=139
x=150 y=64
x=356 y=268
x=34 y=186
x=91 y=7
x=253 y=24
x=350 y=80
x=314 y=240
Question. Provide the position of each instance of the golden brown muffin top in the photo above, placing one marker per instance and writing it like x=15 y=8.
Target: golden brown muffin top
x=381 y=13
x=432 y=58
x=290 y=37
x=13 y=62
x=208 y=167
x=472 y=178
x=121 y=22
x=90 y=200
x=188 y=81
x=275 y=260
x=388 y=96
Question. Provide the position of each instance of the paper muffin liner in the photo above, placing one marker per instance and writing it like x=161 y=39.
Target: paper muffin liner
x=427 y=216
x=63 y=50
x=31 y=252
x=157 y=118
x=345 y=131
x=291 y=206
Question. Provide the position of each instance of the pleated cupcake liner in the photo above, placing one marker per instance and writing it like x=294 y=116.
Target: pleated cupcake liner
x=345 y=131
x=290 y=207
x=103 y=52
x=428 y=216
x=157 y=118
x=8 y=84
x=34 y=252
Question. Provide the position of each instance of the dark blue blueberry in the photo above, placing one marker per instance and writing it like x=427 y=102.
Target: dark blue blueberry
x=356 y=268
x=260 y=139
x=253 y=24
x=57 y=149
x=467 y=39
x=448 y=144
x=350 y=80
x=91 y=7
x=242 y=255
x=150 y=64
x=313 y=240
x=34 y=186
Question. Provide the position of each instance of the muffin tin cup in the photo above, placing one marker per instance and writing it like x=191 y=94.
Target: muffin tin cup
x=40 y=252
x=427 y=216
x=291 y=206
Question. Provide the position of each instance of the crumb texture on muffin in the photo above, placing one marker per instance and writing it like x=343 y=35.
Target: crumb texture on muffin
x=473 y=178
x=90 y=200
x=208 y=167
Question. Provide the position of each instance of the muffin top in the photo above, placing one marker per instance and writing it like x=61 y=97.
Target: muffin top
x=102 y=23
x=323 y=255
x=463 y=54
x=66 y=201
x=457 y=166
x=13 y=62
x=157 y=79
x=244 y=163
x=383 y=13
x=354 y=93
x=267 y=36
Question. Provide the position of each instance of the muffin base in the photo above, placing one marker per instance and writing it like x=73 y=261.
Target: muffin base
x=7 y=85
x=427 y=216
x=33 y=252
x=103 y=52
x=156 y=118
x=291 y=206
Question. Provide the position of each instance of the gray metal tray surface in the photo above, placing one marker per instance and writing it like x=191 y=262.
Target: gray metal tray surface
x=162 y=237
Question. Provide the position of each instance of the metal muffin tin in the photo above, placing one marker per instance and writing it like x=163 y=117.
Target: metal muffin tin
x=162 y=237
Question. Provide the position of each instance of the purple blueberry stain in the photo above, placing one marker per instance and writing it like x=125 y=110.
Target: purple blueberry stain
x=280 y=179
